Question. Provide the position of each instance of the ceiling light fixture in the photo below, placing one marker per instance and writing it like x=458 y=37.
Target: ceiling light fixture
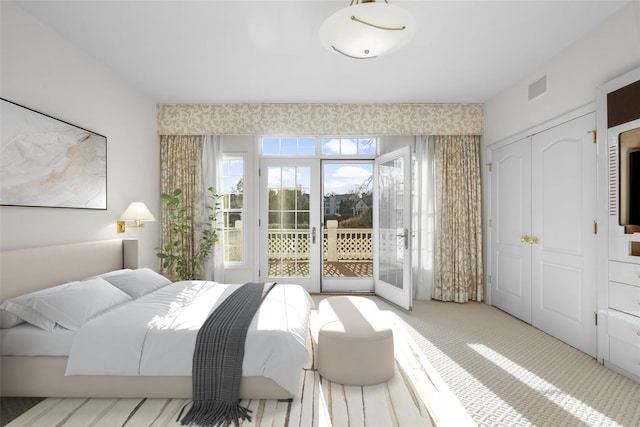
x=366 y=29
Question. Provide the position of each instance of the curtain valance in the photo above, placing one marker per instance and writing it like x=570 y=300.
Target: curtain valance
x=320 y=119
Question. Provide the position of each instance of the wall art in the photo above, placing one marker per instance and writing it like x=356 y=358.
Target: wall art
x=46 y=162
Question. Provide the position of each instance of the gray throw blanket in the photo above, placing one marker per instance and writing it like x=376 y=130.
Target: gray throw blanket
x=217 y=359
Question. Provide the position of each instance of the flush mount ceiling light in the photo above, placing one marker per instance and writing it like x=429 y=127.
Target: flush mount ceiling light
x=366 y=29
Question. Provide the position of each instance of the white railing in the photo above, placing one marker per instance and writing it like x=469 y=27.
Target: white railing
x=338 y=244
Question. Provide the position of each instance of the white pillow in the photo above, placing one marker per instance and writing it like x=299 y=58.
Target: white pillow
x=22 y=307
x=8 y=320
x=138 y=282
x=109 y=273
x=74 y=304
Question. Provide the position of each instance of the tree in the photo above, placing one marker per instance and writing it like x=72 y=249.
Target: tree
x=178 y=251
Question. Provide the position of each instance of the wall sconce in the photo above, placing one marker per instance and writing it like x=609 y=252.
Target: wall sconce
x=136 y=212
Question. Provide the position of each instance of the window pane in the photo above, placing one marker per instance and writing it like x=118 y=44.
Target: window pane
x=270 y=145
x=330 y=146
x=232 y=208
x=348 y=146
x=289 y=146
x=367 y=146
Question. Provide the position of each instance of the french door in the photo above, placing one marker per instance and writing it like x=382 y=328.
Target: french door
x=295 y=247
x=290 y=234
x=392 y=225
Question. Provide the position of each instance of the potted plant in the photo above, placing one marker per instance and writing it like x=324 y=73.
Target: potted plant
x=185 y=253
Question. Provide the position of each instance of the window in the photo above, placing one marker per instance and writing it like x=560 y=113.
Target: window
x=348 y=146
x=233 y=209
x=329 y=146
x=288 y=146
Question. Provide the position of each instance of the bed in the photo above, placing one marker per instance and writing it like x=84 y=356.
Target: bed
x=41 y=372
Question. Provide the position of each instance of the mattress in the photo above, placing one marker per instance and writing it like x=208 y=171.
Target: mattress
x=29 y=340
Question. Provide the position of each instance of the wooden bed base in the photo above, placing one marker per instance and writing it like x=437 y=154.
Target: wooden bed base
x=28 y=270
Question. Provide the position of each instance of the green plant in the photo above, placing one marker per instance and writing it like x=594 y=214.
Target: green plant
x=181 y=251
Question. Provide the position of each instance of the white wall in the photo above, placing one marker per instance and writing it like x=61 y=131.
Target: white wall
x=42 y=71
x=610 y=50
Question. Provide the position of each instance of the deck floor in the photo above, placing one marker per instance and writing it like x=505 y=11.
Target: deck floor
x=278 y=268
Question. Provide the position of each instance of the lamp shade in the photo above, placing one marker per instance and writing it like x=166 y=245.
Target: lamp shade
x=137 y=211
x=366 y=30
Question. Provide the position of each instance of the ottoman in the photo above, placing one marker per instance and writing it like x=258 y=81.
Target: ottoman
x=355 y=343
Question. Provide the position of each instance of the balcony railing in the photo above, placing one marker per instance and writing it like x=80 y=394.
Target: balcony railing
x=346 y=251
x=338 y=244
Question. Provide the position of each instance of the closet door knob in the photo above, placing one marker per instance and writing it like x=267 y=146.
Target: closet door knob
x=525 y=239
x=534 y=241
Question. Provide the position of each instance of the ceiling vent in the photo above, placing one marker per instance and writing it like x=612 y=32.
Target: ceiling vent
x=537 y=88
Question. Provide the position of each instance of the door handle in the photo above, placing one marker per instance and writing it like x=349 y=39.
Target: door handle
x=313 y=235
x=405 y=236
x=527 y=239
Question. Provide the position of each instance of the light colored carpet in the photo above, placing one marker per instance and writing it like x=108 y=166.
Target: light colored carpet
x=507 y=373
x=503 y=371
x=415 y=396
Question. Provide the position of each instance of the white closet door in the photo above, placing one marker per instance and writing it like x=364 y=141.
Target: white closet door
x=563 y=240
x=511 y=217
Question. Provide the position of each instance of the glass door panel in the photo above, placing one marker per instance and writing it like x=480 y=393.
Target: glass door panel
x=392 y=202
x=289 y=222
x=347 y=261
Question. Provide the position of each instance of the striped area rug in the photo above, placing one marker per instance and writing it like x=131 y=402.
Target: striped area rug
x=415 y=396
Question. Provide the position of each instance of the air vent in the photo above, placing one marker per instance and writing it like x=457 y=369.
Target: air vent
x=613 y=180
x=537 y=88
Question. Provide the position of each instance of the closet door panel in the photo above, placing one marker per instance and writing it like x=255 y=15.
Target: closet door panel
x=563 y=203
x=511 y=217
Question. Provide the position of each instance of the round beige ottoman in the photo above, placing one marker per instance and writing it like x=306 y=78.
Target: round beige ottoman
x=355 y=343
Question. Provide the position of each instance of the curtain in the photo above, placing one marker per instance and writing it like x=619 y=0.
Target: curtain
x=181 y=167
x=458 y=271
x=212 y=170
x=423 y=218
x=190 y=163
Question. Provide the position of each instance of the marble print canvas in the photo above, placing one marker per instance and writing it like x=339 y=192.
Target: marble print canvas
x=50 y=163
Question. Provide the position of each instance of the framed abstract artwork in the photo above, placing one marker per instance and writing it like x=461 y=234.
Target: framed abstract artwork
x=46 y=162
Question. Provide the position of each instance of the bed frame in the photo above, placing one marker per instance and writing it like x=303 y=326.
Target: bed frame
x=27 y=270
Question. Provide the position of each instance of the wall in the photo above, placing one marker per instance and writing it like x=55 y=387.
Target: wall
x=610 y=50
x=42 y=71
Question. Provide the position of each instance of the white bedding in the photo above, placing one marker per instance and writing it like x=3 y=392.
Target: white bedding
x=28 y=340
x=155 y=334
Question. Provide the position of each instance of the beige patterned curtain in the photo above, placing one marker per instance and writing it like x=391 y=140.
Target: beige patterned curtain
x=458 y=230
x=181 y=167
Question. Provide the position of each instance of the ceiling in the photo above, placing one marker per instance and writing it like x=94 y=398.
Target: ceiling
x=263 y=51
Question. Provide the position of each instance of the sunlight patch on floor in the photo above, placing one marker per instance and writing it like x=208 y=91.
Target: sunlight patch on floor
x=570 y=404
